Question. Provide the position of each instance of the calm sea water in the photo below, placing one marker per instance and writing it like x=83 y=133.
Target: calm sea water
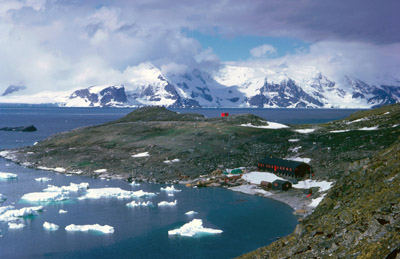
x=247 y=221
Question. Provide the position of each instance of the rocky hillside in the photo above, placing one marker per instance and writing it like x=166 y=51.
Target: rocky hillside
x=359 y=217
x=199 y=145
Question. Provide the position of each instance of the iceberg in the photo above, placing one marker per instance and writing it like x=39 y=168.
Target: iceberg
x=44 y=196
x=192 y=212
x=8 y=213
x=73 y=187
x=61 y=211
x=166 y=204
x=114 y=192
x=134 y=183
x=8 y=175
x=106 y=229
x=170 y=189
x=139 y=204
x=16 y=225
x=192 y=228
x=50 y=226
x=43 y=179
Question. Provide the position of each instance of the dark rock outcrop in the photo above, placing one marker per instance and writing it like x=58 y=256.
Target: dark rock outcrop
x=30 y=128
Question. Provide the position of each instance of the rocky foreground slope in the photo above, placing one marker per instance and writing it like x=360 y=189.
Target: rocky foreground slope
x=359 y=217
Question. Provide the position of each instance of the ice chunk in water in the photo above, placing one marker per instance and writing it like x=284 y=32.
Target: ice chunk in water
x=73 y=187
x=16 y=225
x=8 y=175
x=114 y=192
x=192 y=228
x=170 y=189
x=50 y=226
x=165 y=203
x=106 y=229
x=137 y=204
x=8 y=213
x=44 y=196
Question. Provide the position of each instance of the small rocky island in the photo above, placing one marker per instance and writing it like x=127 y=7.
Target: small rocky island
x=358 y=218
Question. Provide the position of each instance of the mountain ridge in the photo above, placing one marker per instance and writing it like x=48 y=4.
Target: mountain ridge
x=229 y=87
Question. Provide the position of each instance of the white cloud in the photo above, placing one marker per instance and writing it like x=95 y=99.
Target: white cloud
x=371 y=63
x=263 y=51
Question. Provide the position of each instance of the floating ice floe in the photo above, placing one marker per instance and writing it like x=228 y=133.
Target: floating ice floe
x=50 y=226
x=305 y=131
x=139 y=204
x=258 y=177
x=61 y=211
x=106 y=229
x=294 y=140
x=4 y=175
x=114 y=192
x=324 y=185
x=167 y=204
x=15 y=225
x=144 y=154
x=44 y=197
x=8 y=213
x=169 y=189
x=192 y=212
x=192 y=228
x=133 y=183
x=171 y=195
x=73 y=187
x=43 y=179
x=172 y=161
x=100 y=170
x=315 y=202
x=271 y=125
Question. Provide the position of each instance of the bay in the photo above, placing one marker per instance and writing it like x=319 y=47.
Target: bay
x=248 y=222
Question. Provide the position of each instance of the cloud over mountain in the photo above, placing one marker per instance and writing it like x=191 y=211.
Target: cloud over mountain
x=59 y=44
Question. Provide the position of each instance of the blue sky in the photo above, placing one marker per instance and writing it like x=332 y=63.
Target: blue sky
x=237 y=48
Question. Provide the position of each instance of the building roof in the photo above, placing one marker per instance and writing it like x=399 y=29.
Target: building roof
x=281 y=162
x=278 y=181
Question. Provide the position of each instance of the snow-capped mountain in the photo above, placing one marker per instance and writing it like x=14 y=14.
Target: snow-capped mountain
x=231 y=86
